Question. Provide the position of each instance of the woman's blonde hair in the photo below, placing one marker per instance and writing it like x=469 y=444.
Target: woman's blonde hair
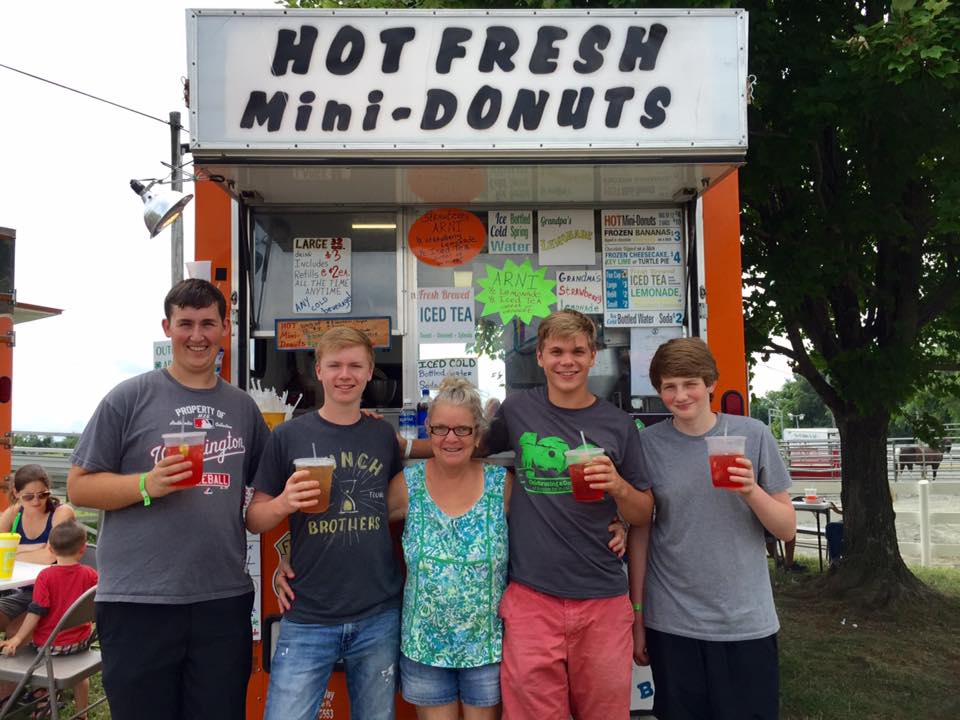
x=458 y=392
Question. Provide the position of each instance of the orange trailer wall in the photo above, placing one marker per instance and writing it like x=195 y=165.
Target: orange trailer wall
x=721 y=242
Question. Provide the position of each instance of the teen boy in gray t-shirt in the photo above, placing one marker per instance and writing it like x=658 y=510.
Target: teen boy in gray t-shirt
x=174 y=598
x=707 y=623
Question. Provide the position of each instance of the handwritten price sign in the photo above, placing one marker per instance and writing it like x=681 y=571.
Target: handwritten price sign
x=321 y=275
x=447 y=237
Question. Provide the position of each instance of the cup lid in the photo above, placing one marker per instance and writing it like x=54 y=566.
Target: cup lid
x=315 y=461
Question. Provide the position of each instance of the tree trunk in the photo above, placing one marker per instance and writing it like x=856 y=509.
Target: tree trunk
x=871 y=574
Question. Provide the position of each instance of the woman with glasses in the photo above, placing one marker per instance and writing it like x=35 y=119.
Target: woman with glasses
x=455 y=548
x=33 y=513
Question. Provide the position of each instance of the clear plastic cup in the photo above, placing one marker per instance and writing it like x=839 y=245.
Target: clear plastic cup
x=577 y=460
x=8 y=553
x=321 y=470
x=810 y=495
x=723 y=451
x=191 y=445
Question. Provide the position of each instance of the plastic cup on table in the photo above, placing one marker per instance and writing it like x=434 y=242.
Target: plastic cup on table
x=723 y=451
x=577 y=460
x=191 y=445
x=321 y=470
x=810 y=495
x=8 y=553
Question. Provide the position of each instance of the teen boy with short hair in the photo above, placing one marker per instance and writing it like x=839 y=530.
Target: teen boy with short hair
x=174 y=598
x=708 y=626
x=346 y=583
x=567 y=616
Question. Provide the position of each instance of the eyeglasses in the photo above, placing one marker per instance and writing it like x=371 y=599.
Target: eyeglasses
x=444 y=430
x=28 y=497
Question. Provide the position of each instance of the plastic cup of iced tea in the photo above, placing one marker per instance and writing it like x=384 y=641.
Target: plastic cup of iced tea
x=321 y=470
x=190 y=444
x=577 y=460
x=723 y=451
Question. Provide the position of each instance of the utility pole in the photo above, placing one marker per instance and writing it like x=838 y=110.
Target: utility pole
x=176 y=183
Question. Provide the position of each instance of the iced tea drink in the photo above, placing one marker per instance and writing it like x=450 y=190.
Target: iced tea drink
x=321 y=470
x=723 y=451
x=577 y=460
x=190 y=445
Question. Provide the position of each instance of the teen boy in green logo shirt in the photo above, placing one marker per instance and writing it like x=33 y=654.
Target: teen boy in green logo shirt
x=567 y=617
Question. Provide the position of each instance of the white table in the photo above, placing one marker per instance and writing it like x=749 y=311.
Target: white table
x=24 y=573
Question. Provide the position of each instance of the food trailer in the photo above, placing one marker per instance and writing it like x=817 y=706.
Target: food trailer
x=443 y=180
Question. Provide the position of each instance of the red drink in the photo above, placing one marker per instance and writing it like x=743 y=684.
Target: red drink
x=581 y=489
x=194 y=454
x=720 y=470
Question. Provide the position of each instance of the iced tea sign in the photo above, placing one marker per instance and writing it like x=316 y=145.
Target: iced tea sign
x=642 y=267
x=446 y=315
x=321 y=275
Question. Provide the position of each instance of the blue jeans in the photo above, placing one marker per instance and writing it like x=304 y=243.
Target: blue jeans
x=301 y=667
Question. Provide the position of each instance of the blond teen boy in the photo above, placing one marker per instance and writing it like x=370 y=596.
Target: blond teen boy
x=567 y=616
x=346 y=583
x=708 y=626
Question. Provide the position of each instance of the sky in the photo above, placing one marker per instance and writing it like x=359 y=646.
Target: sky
x=65 y=166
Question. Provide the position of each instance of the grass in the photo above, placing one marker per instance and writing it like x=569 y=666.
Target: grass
x=837 y=666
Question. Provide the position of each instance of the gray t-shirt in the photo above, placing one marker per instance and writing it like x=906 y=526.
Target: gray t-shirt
x=189 y=546
x=557 y=544
x=343 y=558
x=707 y=575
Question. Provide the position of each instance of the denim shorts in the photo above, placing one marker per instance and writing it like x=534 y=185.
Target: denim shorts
x=429 y=685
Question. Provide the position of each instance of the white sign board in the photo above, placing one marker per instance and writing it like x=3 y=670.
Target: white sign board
x=162 y=354
x=446 y=315
x=580 y=290
x=510 y=231
x=643 y=266
x=566 y=237
x=321 y=275
x=430 y=373
x=387 y=82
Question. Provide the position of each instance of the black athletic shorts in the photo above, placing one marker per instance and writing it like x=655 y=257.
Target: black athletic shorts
x=714 y=680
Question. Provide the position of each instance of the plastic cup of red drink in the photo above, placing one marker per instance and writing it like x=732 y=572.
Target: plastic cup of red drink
x=189 y=444
x=577 y=460
x=810 y=495
x=723 y=451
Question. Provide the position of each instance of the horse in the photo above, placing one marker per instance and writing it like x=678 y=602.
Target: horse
x=921 y=456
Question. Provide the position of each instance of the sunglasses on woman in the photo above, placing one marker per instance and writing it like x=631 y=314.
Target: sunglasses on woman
x=42 y=495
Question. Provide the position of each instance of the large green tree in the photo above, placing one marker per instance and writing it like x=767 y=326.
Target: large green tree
x=851 y=214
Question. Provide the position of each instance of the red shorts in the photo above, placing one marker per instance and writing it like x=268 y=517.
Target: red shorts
x=565 y=657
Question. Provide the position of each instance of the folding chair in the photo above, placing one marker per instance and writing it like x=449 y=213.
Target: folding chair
x=40 y=668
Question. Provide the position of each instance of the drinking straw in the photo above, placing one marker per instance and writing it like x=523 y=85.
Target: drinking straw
x=583 y=440
x=314 y=446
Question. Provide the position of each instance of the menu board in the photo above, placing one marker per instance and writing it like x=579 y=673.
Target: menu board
x=510 y=231
x=321 y=275
x=642 y=267
x=302 y=334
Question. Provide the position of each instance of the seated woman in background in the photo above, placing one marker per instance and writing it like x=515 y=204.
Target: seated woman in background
x=32 y=514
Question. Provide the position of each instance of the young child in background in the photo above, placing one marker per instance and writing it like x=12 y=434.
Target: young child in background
x=56 y=589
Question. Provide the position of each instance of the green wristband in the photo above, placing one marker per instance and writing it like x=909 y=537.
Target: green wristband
x=143 y=490
x=638 y=607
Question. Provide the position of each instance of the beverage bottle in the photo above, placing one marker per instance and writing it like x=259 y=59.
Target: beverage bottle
x=218 y=367
x=422 y=408
x=408 y=420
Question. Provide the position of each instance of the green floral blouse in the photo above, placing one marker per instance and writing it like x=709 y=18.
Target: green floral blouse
x=456 y=574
